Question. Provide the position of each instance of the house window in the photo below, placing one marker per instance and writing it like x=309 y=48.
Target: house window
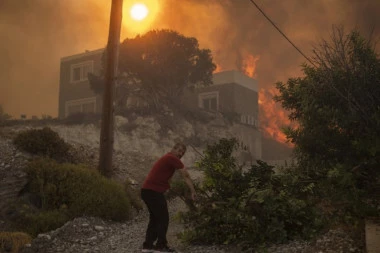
x=249 y=120
x=86 y=105
x=209 y=101
x=79 y=71
x=243 y=119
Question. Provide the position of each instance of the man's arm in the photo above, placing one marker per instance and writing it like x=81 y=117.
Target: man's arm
x=186 y=176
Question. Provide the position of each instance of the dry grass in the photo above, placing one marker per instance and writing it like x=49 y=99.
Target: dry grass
x=13 y=241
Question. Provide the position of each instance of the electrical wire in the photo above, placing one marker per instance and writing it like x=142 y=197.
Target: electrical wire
x=283 y=34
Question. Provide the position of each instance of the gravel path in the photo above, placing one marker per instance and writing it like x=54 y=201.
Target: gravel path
x=93 y=235
x=89 y=234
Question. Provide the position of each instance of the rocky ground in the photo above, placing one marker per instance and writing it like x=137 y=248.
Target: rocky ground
x=89 y=234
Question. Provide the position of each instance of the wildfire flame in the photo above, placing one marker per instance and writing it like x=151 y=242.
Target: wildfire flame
x=272 y=116
x=249 y=65
x=218 y=68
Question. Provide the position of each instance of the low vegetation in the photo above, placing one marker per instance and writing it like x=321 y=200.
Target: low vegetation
x=248 y=207
x=58 y=192
x=43 y=142
x=13 y=241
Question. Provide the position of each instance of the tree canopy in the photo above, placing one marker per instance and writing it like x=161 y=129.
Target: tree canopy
x=159 y=65
x=337 y=107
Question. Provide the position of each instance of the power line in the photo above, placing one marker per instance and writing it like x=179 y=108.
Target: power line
x=283 y=34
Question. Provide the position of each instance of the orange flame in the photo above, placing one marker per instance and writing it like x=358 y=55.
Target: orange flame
x=272 y=116
x=218 y=68
x=249 y=65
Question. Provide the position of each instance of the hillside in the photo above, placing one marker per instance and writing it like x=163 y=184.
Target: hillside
x=138 y=142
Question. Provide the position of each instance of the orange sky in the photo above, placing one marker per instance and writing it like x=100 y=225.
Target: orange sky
x=35 y=34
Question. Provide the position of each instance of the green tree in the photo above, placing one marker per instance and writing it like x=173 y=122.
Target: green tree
x=337 y=107
x=158 y=66
x=248 y=206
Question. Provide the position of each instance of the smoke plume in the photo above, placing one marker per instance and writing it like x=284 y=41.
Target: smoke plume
x=35 y=34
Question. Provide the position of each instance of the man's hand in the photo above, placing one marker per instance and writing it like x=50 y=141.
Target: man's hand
x=186 y=177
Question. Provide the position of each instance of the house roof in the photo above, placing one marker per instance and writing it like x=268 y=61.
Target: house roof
x=234 y=76
x=86 y=53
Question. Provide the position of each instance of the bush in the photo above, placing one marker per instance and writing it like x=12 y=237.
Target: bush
x=34 y=221
x=248 y=208
x=83 y=191
x=43 y=142
x=178 y=188
x=66 y=191
x=13 y=241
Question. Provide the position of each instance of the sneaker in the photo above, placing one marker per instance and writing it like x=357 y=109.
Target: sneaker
x=165 y=249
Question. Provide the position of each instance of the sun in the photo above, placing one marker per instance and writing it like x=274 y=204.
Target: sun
x=139 y=11
x=139 y=16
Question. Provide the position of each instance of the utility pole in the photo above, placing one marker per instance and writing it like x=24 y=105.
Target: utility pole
x=112 y=56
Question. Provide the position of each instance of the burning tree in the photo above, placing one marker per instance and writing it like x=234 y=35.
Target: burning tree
x=336 y=106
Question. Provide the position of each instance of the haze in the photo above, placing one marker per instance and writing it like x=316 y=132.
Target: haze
x=35 y=34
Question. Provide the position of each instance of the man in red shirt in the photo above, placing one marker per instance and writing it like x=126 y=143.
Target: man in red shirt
x=152 y=193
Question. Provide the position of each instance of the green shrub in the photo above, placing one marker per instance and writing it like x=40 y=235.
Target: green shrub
x=34 y=221
x=83 y=191
x=66 y=191
x=43 y=142
x=178 y=188
x=348 y=206
x=248 y=207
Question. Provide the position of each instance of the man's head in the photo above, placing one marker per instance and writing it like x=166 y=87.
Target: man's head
x=179 y=150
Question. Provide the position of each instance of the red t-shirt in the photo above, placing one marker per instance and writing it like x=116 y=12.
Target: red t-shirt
x=161 y=172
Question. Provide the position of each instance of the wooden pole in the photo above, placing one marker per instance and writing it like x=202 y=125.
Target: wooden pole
x=112 y=55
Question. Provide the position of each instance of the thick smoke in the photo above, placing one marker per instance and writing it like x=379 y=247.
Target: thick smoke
x=35 y=34
x=232 y=29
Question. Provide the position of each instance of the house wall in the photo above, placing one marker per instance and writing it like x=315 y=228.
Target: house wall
x=231 y=98
x=246 y=101
x=76 y=91
x=251 y=137
x=225 y=103
x=238 y=99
